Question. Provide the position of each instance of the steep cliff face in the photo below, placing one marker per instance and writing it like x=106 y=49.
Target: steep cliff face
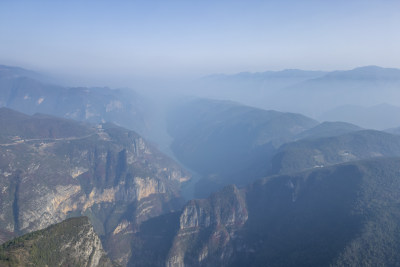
x=342 y=215
x=203 y=233
x=72 y=242
x=107 y=173
x=207 y=230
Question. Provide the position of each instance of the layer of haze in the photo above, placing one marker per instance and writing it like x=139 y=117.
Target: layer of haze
x=124 y=40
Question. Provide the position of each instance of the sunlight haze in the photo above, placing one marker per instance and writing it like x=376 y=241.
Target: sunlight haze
x=120 y=39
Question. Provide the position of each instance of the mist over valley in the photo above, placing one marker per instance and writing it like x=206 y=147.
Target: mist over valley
x=180 y=134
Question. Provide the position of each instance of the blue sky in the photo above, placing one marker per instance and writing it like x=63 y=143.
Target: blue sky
x=162 y=38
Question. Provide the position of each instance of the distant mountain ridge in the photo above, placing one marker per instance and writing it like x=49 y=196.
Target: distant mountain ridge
x=223 y=140
x=254 y=89
x=365 y=73
x=312 y=95
x=365 y=86
x=228 y=143
x=287 y=73
x=14 y=72
x=380 y=117
x=23 y=91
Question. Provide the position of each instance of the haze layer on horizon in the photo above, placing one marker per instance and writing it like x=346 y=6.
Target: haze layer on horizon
x=117 y=39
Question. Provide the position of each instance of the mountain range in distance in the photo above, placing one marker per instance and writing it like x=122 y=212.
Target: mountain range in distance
x=222 y=140
x=27 y=92
x=271 y=187
x=365 y=96
x=382 y=116
x=315 y=94
x=229 y=143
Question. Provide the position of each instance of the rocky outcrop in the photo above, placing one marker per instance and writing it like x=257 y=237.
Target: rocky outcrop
x=207 y=229
x=342 y=215
x=72 y=242
x=105 y=172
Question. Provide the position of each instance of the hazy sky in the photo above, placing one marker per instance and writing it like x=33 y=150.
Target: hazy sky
x=158 y=38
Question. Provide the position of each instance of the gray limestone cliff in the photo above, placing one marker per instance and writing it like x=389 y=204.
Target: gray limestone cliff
x=207 y=229
x=52 y=169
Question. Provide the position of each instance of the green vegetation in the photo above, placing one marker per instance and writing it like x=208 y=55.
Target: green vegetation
x=344 y=215
x=61 y=244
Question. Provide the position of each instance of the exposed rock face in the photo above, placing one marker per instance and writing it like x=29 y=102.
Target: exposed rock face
x=342 y=215
x=207 y=229
x=107 y=173
x=72 y=242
